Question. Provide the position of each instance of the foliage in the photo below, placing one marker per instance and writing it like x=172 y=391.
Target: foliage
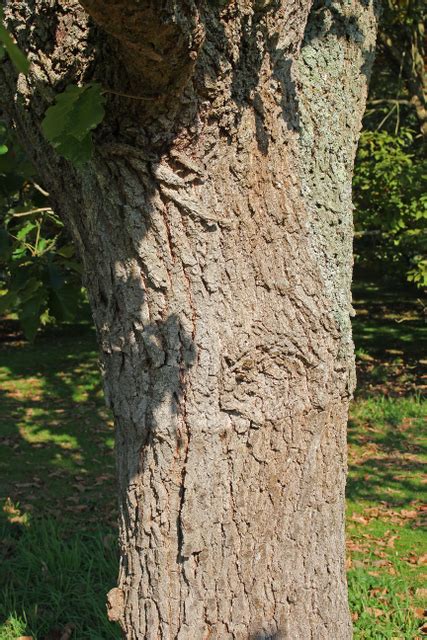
x=69 y=122
x=39 y=273
x=389 y=183
x=391 y=201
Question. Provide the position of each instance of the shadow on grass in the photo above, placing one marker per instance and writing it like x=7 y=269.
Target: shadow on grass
x=58 y=554
x=56 y=456
x=377 y=481
x=387 y=450
x=390 y=334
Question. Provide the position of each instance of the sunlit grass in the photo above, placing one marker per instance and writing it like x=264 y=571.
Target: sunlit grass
x=386 y=537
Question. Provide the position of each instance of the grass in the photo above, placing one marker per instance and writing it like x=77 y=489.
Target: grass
x=385 y=516
x=58 y=459
x=387 y=439
x=55 y=577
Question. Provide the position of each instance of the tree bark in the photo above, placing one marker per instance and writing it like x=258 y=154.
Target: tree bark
x=214 y=224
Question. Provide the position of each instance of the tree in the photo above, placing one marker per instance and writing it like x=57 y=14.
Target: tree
x=389 y=191
x=213 y=221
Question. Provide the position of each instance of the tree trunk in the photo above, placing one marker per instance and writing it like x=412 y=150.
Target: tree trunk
x=214 y=224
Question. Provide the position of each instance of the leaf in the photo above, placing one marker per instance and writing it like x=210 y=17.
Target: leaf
x=78 y=152
x=26 y=229
x=88 y=112
x=56 y=276
x=360 y=519
x=56 y=119
x=63 y=302
x=29 y=313
x=18 y=59
x=29 y=304
x=68 y=123
x=3 y=149
x=7 y=302
x=66 y=251
x=26 y=289
x=374 y=611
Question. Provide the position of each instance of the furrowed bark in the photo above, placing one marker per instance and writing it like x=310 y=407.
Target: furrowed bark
x=215 y=230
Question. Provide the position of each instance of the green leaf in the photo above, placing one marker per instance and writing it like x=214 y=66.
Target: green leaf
x=78 y=152
x=15 y=54
x=56 y=276
x=8 y=301
x=57 y=117
x=30 y=290
x=23 y=276
x=88 y=112
x=68 y=123
x=26 y=229
x=63 y=302
x=66 y=251
x=29 y=313
x=3 y=149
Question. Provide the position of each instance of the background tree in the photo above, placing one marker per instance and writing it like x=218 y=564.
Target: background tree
x=390 y=184
x=214 y=225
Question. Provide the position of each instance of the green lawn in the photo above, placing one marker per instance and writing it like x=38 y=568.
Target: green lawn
x=57 y=458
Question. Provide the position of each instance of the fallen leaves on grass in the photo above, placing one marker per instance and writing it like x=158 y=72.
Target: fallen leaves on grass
x=392 y=515
x=418 y=560
x=374 y=611
x=13 y=513
x=360 y=519
x=356 y=546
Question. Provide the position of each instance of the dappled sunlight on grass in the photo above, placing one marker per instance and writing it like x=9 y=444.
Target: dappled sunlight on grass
x=56 y=433
x=386 y=516
x=388 y=449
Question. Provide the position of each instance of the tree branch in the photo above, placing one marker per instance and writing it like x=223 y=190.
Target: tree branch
x=159 y=41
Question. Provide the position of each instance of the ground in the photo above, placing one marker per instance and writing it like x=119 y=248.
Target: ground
x=58 y=556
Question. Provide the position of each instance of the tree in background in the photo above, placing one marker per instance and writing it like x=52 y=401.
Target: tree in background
x=390 y=177
x=212 y=213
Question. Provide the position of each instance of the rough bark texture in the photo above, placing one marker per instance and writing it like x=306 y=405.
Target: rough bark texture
x=214 y=224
